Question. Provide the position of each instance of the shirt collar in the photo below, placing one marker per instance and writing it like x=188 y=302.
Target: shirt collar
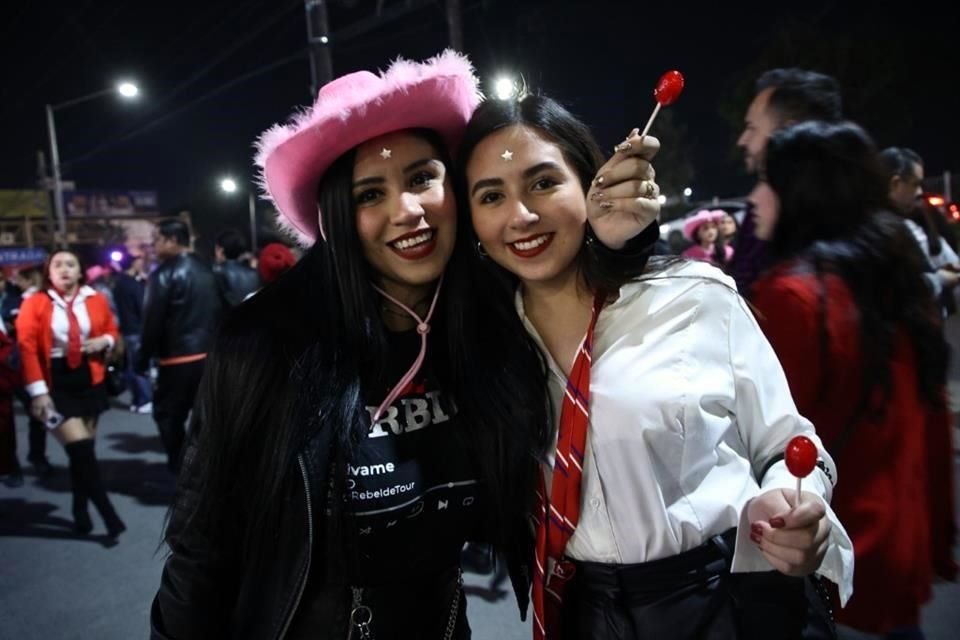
x=84 y=293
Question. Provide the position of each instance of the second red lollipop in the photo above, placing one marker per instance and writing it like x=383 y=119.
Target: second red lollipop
x=800 y=455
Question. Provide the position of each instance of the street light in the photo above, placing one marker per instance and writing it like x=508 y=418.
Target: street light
x=505 y=87
x=127 y=90
x=229 y=186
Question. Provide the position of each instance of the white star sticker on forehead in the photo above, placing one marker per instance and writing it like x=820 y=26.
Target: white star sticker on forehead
x=386 y=153
x=507 y=155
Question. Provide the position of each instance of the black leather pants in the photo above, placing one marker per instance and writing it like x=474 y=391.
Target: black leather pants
x=692 y=596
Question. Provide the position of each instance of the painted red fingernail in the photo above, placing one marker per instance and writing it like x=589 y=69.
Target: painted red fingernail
x=755 y=538
x=778 y=523
x=756 y=530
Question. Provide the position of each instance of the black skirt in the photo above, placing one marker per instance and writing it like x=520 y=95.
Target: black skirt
x=693 y=596
x=74 y=394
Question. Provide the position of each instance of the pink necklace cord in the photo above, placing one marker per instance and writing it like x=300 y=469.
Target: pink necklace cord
x=423 y=328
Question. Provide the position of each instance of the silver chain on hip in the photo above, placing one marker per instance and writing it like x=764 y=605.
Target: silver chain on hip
x=361 y=615
x=454 y=607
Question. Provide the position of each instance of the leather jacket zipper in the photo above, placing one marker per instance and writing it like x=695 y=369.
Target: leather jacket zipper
x=306 y=572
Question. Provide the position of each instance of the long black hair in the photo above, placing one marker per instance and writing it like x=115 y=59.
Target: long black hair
x=288 y=367
x=832 y=191
x=600 y=268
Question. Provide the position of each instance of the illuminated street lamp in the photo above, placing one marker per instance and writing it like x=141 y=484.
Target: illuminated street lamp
x=229 y=186
x=127 y=90
x=505 y=88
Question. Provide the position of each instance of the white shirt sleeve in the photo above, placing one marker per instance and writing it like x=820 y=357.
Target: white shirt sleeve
x=767 y=417
x=38 y=388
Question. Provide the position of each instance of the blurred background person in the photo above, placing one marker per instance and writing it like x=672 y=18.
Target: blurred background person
x=274 y=260
x=845 y=307
x=29 y=280
x=181 y=309
x=26 y=281
x=782 y=97
x=129 y=287
x=64 y=333
x=235 y=279
x=728 y=228
x=708 y=244
x=10 y=472
x=100 y=278
x=904 y=172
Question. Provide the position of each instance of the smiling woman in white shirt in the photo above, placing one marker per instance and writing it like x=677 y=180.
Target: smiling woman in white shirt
x=666 y=509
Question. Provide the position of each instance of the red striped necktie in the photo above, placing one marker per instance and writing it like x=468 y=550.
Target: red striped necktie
x=557 y=517
x=74 y=342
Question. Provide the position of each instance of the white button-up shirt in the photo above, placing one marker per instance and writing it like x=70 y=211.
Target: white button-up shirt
x=61 y=322
x=688 y=404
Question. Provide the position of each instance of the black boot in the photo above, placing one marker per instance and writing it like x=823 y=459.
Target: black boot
x=82 y=454
x=81 y=517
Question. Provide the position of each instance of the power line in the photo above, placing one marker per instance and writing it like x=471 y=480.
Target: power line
x=172 y=114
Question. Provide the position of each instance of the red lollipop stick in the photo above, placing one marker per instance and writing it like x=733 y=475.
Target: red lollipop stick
x=801 y=457
x=666 y=93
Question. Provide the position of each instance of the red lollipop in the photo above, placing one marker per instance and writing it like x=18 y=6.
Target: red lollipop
x=666 y=93
x=801 y=458
x=669 y=88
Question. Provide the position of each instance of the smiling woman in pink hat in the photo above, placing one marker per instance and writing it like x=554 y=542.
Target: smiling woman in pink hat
x=375 y=407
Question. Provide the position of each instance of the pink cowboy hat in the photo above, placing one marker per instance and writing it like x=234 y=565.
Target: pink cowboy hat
x=439 y=94
x=703 y=216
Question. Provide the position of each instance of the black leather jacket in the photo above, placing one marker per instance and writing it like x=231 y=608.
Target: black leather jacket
x=181 y=310
x=209 y=592
x=235 y=281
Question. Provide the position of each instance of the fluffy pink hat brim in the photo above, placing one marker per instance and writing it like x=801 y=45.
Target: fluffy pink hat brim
x=439 y=94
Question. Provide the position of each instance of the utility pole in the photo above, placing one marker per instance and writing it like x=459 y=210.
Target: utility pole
x=46 y=184
x=455 y=24
x=318 y=41
x=60 y=238
x=252 y=211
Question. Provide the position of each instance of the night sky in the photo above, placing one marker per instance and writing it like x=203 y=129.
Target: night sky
x=215 y=74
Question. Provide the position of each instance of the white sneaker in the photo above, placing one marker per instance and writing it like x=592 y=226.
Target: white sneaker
x=145 y=408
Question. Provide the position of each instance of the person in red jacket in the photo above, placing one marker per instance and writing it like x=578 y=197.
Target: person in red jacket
x=63 y=333
x=848 y=311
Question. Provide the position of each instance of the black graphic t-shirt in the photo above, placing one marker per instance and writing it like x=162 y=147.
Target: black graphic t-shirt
x=412 y=492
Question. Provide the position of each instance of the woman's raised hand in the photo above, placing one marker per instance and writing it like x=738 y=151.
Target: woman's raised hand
x=624 y=197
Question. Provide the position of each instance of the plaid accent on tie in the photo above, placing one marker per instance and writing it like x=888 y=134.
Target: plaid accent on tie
x=556 y=518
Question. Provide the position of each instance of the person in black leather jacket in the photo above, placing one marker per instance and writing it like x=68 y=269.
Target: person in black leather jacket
x=235 y=279
x=181 y=312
